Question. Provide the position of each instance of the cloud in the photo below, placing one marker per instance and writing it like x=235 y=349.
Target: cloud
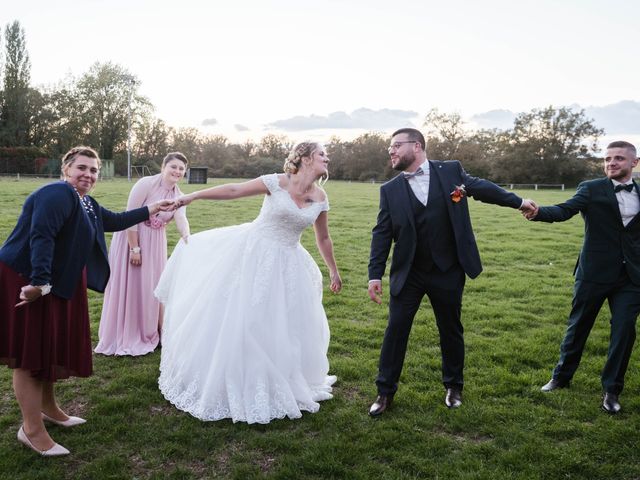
x=364 y=118
x=501 y=119
x=618 y=118
x=621 y=118
x=207 y=122
x=241 y=128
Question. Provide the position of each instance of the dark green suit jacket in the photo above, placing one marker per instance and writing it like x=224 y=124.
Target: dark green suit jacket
x=608 y=244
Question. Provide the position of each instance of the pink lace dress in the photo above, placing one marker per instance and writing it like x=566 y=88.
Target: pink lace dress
x=130 y=312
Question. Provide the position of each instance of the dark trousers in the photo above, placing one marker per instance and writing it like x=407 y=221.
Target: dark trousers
x=624 y=305
x=444 y=290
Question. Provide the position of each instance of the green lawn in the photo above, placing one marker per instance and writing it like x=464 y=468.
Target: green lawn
x=514 y=315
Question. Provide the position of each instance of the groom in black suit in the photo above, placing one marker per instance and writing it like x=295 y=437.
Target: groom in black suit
x=424 y=212
x=608 y=269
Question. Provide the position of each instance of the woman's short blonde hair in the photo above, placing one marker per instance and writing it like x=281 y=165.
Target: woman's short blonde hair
x=70 y=157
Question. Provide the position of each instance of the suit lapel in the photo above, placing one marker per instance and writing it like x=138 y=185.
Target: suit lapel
x=607 y=187
x=635 y=219
x=437 y=174
x=403 y=194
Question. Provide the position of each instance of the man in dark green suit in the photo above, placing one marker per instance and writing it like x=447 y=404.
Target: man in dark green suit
x=608 y=269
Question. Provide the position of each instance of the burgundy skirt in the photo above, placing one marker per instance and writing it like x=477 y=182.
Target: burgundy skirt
x=50 y=336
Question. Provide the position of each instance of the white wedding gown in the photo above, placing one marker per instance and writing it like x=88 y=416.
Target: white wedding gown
x=245 y=335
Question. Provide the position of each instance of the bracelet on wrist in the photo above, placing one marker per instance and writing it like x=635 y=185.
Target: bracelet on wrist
x=134 y=250
x=44 y=289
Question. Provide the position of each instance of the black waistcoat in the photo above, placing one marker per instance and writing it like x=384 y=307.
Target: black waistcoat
x=435 y=243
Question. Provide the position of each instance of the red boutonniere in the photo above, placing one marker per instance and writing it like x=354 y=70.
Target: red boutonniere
x=458 y=193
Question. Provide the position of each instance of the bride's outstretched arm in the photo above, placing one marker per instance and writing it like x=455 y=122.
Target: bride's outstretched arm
x=325 y=245
x=226 y=192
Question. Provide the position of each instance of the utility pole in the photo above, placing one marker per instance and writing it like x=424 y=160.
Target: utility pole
x=132 y=83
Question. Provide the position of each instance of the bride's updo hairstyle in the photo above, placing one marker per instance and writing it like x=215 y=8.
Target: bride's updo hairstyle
x=301 y=150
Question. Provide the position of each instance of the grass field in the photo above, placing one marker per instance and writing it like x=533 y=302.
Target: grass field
x=514 y=316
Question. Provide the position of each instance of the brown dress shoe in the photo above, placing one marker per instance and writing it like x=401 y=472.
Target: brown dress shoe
x=382 y=403
x=453 y=398
x=610 y=403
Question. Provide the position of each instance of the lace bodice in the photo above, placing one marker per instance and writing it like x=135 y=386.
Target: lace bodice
x=280 y=218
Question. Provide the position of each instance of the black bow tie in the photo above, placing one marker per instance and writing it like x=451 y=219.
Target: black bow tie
x=419 y=171
x=628 y=187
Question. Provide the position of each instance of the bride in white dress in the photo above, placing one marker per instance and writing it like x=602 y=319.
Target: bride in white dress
x=245 y=335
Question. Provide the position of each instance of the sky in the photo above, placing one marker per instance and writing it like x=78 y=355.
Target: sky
x=309 y=69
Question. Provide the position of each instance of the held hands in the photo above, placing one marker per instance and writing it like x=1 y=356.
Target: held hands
x=161 y=206
x=529 y=209
x=170 y=205
x=28 y=294
x=375 y=291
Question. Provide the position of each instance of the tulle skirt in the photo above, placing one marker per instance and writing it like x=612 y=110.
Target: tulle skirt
x=245 y=335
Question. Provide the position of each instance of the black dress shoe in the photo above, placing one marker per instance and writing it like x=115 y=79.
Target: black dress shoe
x=610 y=403
x=553 y=384
x=453 y=398
x=382 y=403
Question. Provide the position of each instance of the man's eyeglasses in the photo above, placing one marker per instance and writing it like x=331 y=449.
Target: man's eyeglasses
x=397 y=145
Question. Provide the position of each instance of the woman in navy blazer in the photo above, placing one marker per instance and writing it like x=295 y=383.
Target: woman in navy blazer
x=56 y=250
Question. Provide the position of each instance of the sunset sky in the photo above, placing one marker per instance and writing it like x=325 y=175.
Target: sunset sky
x=312 y=68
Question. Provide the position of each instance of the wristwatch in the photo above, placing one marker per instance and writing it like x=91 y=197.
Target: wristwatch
x=134 y=250
x=44 y=289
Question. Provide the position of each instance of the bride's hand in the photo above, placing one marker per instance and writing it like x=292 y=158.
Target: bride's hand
x=336 y=282
x=184 y=200
x=160 y=206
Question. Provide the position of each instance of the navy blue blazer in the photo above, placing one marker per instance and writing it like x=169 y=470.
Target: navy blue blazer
x=53 y=240
x=608 y=245
x=396 y=222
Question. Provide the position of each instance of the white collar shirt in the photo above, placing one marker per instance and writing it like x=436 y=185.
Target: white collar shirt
x=628 y=203
x=420 y=183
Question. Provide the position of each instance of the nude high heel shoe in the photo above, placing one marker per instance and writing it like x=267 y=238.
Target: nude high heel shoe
x=70 y=422
x=55 y=451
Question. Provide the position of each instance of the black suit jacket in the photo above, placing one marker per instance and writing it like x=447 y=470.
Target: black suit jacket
x=608 y=244
x=396 y=224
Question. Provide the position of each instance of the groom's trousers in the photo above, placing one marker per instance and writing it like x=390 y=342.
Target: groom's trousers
x=444 y=290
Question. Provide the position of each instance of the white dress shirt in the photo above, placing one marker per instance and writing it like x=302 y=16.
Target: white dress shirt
x=628 y=203
x=420 y=183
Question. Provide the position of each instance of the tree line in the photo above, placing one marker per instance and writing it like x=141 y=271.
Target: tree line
x=100 y=107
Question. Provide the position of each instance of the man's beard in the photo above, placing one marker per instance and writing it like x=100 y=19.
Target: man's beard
x=404 y=161
x=620 y=174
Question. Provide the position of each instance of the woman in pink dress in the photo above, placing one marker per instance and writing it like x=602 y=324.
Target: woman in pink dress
x=131 y=319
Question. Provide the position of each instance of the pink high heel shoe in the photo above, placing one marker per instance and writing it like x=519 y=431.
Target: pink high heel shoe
x=55 y=451
x=70 y=422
